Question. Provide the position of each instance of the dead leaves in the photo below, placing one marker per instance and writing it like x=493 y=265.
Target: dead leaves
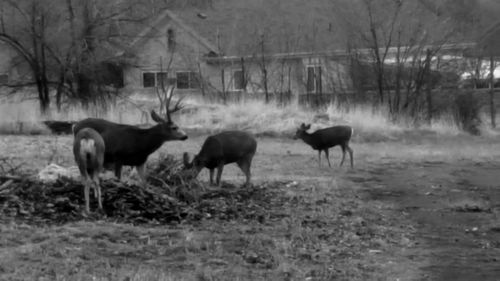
x=170 y=196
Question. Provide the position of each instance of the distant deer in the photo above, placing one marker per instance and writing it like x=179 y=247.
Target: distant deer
x=128 y=145
x=222 y=149
x=324 y=139
x=88 y=149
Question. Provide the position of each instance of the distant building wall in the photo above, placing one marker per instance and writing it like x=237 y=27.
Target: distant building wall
x=293 y=76
x=153 y=63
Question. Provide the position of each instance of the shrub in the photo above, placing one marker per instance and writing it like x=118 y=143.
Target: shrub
x=467 y=109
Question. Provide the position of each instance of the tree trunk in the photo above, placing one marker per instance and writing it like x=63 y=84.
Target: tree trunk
x=243 y=73
x=395 y=107
x=84 y=74
x=223 y=81
x=200 y=80
x=428 y=92
x=60 y=89
x=492 y=94
x=266 y=91
x=39 y=59
x=264 y=70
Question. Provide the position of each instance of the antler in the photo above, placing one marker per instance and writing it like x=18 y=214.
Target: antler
x=178 y=106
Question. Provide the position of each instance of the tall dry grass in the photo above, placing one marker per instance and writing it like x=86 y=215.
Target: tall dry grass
x=256 y=116
x=270 y=119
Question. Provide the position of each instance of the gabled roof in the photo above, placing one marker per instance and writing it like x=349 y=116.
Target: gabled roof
x=163 y=19
x=341 y=53
x=489 y=42
x=237 y=27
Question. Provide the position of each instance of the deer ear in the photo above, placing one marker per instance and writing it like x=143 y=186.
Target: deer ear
x=156 y=117
x=302 y=125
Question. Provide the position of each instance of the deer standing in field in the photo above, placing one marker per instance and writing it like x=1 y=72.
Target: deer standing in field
x=128 y=145
x=222 y=149
x=324 y=139
x=88 y=149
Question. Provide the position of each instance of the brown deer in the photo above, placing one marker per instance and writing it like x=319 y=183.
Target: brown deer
x=324 y=139
x=88 y=149
x=128 y=145
x=222 y=149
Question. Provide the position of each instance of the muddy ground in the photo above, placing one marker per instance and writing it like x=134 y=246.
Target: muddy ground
x=418 y=209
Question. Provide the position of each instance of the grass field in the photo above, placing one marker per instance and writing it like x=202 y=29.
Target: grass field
x=420 y=204
x=424 y=208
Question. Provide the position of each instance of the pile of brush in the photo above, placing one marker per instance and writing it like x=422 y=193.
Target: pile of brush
x=171 y=195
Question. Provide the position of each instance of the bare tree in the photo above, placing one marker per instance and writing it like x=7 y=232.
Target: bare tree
x=67 y=44
x=25 y=28
x=399 y=40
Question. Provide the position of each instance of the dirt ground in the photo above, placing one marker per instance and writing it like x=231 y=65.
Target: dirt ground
x=420 y=209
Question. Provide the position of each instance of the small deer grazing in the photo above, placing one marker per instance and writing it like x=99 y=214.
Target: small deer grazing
x=128 y=145
x=88 y=149
x=222 y=149
x=324 y=139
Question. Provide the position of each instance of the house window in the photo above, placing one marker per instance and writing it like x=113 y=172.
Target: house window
x=313 y=79
x=148 y=79
x=161 y=79
x=187 y=80
x=238 y=80
x=154 y=79
x=4 y=79
x=170 y=39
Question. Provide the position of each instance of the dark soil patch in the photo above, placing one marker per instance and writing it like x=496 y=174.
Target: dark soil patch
x=452 y=208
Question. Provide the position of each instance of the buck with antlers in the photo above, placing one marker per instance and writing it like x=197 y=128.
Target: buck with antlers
x=128 y=145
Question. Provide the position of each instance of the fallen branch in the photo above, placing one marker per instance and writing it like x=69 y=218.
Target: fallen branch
x=13 y=178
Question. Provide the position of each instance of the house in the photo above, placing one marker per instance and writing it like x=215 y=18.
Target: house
x=170 y=51
x=239 y=65
x=205 y=56
x=164 y=53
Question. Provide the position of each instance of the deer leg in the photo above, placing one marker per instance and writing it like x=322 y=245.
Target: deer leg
x=327 y=158
x=343 y=154
x=141 y=170
x=220 y=168
x=86 y=192
x=97 y=190
x=319 y=158
x=349 y=149
x=245 y=168
x=118 y=170
x=211 y=176
x=94 y=187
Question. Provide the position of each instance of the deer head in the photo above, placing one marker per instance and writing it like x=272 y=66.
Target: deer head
x=194 y=166
x=301 y=131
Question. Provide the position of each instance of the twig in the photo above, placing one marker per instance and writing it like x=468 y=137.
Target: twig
x=164 y=184
x=13 y=178
x=6 y=184
x=4 y=162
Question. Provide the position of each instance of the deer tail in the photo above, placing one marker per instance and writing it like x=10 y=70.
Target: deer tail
x=87 y=150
